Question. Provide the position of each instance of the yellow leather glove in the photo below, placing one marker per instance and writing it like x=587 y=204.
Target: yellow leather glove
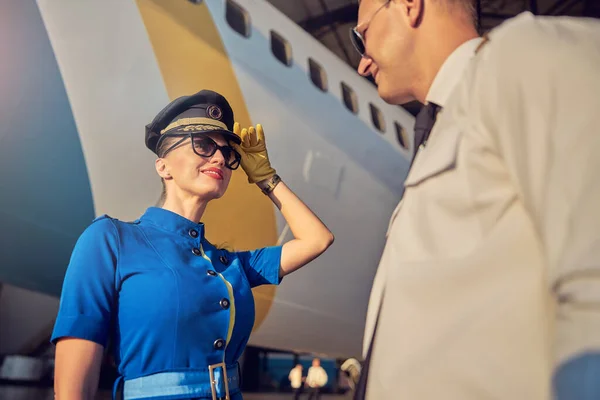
x=255 y=160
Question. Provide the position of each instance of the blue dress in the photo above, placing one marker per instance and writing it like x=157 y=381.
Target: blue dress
x=171 y=303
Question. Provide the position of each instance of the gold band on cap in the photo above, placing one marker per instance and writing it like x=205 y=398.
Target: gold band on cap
x=194 y=121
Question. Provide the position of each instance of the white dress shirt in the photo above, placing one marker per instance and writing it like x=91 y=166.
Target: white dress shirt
x=295 y=377
x=316 y=377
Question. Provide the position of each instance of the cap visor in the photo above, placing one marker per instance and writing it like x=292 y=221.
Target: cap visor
x=231 y=136
x=227 y=134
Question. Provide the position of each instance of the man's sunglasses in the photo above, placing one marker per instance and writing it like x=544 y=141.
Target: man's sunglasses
x=204 y=146
x=357 y=38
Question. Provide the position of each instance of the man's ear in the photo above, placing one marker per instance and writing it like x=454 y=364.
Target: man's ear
x=413 y=10
x=162 y=168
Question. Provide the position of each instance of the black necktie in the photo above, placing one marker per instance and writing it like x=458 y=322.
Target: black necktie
x=423 y=125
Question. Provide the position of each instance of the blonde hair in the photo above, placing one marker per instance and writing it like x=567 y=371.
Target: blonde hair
x=163 y=146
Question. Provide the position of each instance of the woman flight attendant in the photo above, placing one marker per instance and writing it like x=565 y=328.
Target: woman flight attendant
x=177 y=310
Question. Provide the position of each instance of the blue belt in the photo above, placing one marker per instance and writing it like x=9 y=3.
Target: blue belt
x=219 y=382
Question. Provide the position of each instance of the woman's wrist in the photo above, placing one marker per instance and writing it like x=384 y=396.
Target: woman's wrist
x=268 y=185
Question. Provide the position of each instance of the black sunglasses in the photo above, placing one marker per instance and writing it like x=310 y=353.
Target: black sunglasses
x=204 y=146
x=357 y=38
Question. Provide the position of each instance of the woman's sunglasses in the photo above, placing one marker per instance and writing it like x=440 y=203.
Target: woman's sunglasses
x=204 y=146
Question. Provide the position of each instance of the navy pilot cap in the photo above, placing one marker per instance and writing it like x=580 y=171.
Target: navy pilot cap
x=203 y=112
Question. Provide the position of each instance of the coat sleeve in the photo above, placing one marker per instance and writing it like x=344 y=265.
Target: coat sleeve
x=534 y=88
x=89 y=290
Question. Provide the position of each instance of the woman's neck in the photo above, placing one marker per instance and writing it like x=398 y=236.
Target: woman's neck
x=191 y=208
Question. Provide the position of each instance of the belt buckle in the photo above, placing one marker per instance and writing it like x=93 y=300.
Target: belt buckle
x=213 y=382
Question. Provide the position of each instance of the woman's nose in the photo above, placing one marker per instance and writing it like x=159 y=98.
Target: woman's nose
x=218 y=158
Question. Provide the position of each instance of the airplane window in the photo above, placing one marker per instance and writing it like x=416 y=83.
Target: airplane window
x=317 y=74
x=350 y=99
x=281 y=48
x=377 y=118
x=401 y=135
x=237 y=18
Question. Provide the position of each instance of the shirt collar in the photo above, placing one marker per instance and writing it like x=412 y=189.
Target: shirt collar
x=173 y=222
x=451 y=72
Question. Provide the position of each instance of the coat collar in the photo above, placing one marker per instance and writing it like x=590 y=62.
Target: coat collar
x=173 y=222
x=451 y=72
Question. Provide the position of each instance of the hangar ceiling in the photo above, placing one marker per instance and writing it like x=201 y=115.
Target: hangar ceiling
x=330 y=20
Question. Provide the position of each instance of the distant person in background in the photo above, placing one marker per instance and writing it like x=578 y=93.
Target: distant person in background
x=316 y=379
x=295 y=378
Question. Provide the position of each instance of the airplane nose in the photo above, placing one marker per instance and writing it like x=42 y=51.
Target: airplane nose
x=364 y=66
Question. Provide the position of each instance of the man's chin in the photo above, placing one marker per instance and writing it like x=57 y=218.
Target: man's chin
x=391 y=95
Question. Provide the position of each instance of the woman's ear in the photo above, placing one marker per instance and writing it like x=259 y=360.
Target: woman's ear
x=162 y=168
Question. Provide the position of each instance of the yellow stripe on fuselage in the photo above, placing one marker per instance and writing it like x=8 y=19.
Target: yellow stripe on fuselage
x=191 y=57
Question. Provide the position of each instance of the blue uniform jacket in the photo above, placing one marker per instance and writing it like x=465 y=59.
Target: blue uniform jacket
x=166 y=297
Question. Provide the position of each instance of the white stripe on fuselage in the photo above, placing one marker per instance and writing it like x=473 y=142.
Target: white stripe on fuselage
x=115 y=88
x=350 y=174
